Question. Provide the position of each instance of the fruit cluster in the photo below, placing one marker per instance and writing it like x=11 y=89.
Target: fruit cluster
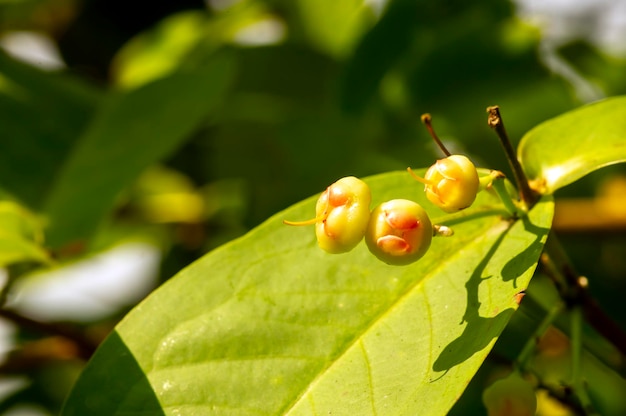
x=399 y=231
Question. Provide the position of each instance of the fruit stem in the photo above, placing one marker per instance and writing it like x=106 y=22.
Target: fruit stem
x=484 y=182
x=442 y=231
x=500 y=187
x=494 y=120
x=427 y=120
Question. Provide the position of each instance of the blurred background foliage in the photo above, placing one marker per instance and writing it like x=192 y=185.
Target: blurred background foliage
x=134 y=140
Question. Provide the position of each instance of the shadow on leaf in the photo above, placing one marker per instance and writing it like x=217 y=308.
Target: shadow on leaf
x=527 y=258
x=469 y=343
x=127 y=390
x=473 y=338
x=480 y=331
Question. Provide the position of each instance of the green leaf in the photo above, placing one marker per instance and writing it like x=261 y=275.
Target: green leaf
x=564 y=149
x=17 y=250
x=21 y=236
x=131 y=131
x=160 y=50
x=271 y=325
x=42 y=115
x=334 y=26
x=377 y=52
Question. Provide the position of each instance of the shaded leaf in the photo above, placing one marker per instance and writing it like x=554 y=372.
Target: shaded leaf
x=377 y=52
x=271 y=325
x=42 y=116
x=131 y=131
x=566 y=148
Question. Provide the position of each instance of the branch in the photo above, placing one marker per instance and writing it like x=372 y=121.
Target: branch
x=574 y=291
x=85 y=346
x=494 y=120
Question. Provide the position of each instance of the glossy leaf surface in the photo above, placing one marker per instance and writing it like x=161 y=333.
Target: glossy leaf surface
x=566 y=148
x=271 y=325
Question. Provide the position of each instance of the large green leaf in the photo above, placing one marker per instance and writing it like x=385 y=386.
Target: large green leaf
x=564 y=149
x=271 y=325
x=131 y=131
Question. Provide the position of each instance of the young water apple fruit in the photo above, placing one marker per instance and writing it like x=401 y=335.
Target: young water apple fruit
x=399 y=232
x=342 y=213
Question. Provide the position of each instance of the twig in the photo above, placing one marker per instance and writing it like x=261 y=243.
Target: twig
x=529 y=197
x=573 y=289
x=86 y=347
x=427 y=120
x=499 y=187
